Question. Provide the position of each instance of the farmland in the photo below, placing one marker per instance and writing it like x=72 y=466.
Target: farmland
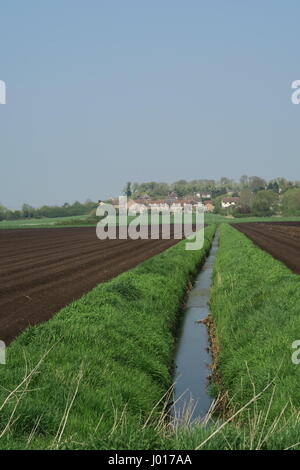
x=280 y=239
x=108 y=351
x=105 y=358
x=42 y=270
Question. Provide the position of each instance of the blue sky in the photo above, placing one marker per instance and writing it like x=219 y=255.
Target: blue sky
x=100 y=92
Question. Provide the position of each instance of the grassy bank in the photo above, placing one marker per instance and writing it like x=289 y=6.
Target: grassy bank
x=221 y=219
x=92 y=375
x=43 y=222
x=256 y=307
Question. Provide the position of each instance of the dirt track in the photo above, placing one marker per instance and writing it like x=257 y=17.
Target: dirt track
x=280 y=239
x=42 y=270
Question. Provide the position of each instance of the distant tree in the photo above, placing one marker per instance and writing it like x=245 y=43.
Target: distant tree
x=244 y=181
x=17 y=214
x=134 y=187
x=284 y=184
x=274 y=186
x=28 y=211
x=227 y=184
x=257 y=184
x=265 y=203
x=181 y=188
x=291 y=202
x=127 y=189
x=218 y=206
x=246 y=201
x=3 y=212
x=218 y=192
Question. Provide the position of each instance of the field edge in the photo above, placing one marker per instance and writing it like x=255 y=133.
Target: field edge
x=71 y=357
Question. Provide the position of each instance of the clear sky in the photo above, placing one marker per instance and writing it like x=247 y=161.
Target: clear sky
x=101 y=92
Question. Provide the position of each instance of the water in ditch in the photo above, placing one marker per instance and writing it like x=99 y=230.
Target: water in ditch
x=192 y=359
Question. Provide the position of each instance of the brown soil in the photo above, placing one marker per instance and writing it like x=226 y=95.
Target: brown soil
x=280 y=239
x=42 y=270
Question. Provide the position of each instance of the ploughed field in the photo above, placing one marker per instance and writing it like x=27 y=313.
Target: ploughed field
x=280 y=239
x=42 y=270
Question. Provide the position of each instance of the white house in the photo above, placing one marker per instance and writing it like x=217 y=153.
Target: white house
x=229 y=202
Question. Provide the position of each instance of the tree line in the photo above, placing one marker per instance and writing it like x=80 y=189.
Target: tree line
x=214 y=187
x=66 y=210
x=257 y=196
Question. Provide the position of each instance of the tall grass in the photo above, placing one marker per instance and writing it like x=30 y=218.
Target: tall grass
x=98 y=373
x=256 y=307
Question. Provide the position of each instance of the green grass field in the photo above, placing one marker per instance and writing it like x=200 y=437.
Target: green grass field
x=40 y=223
x=82 y=220
x=96 y=374
x=220 y=219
